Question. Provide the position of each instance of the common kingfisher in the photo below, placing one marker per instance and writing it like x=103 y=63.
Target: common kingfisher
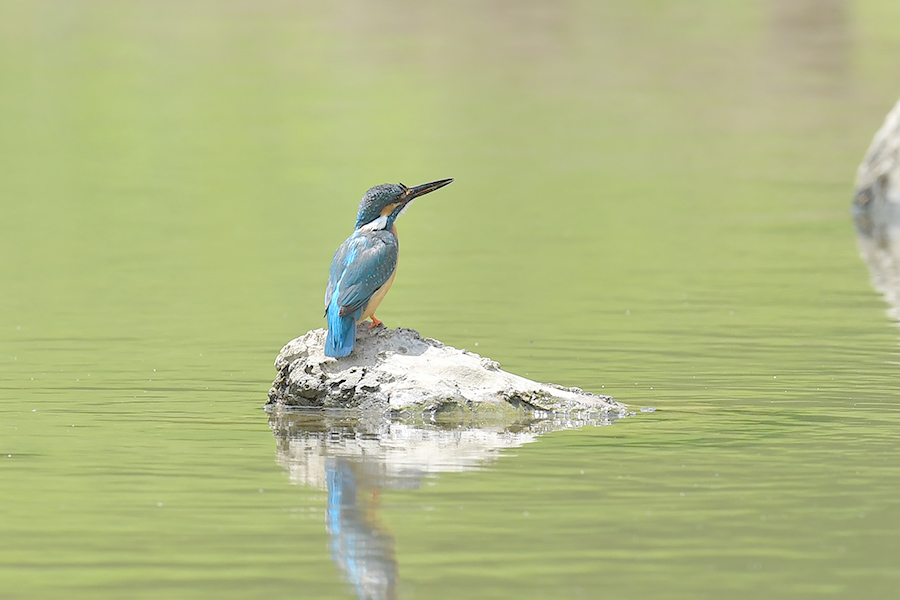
x=364 y=266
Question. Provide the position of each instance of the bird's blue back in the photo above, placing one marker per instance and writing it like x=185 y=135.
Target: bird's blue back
x=362 y=264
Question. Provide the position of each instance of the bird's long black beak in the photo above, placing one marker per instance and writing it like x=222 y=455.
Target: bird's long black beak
x=424 y=188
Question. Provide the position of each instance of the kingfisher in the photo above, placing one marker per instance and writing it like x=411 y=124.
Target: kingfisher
x=364 y=266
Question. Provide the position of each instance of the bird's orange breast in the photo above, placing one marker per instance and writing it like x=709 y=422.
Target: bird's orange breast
x=377 y=297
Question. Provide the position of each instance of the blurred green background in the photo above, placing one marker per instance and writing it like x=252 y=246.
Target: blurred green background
x=651 y=201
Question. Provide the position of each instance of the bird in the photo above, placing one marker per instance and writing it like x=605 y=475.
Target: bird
x=364 y=266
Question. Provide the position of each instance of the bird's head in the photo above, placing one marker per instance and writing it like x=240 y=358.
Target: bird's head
x=382 y=204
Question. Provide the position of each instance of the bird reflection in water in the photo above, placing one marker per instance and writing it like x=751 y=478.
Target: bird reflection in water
x=361 y=546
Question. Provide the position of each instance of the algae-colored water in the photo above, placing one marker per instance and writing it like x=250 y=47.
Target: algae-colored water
x=651 y=201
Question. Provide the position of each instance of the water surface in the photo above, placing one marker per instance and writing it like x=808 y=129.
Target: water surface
x=651 y=201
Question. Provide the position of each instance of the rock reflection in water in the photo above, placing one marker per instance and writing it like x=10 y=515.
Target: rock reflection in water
x=354 y=459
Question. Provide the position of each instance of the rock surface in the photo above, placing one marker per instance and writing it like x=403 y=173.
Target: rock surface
x=398 y=371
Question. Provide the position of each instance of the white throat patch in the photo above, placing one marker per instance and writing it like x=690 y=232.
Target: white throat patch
x=405 y=208
x=377 y=224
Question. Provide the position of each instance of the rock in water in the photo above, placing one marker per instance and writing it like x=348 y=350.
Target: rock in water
x=396 y=370
x=878 y=176
x=876 y=210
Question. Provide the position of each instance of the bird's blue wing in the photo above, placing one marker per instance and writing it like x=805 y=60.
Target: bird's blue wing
x=337 y=268
x=360 y=266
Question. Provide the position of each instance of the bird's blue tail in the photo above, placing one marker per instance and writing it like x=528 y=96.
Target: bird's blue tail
x=341 y=332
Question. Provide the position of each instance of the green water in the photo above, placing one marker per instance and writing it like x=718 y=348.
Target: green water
x=651 y=201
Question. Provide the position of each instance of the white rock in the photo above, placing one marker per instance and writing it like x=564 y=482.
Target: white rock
x=396 y=370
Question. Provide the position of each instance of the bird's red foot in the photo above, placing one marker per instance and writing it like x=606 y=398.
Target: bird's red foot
x=375 y=322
